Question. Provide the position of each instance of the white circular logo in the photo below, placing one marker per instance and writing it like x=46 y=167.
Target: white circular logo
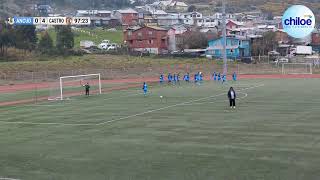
x=298 y=21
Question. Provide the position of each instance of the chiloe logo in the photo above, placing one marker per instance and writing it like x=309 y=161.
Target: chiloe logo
x=298 y=21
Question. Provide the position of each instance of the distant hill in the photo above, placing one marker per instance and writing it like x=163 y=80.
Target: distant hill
x=276 y=7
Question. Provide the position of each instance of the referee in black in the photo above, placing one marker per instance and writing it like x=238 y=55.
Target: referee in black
x=232 y=97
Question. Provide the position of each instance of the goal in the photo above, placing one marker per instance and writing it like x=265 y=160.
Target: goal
x=68 y=86
x=296 y=68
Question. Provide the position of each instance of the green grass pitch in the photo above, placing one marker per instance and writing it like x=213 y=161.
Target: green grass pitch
x=189 y=134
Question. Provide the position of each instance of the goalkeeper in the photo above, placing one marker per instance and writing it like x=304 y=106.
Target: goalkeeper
x=87 y=89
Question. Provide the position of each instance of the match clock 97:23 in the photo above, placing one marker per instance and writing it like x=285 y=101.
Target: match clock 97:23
x=81 y=21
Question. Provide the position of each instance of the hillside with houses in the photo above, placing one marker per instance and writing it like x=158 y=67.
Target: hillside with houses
x=177 y=27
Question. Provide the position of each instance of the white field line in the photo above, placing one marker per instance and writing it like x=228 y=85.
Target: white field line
x=167 y=107
x=1 y=178
x=123 y=118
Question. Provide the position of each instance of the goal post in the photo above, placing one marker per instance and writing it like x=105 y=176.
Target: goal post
x=74 y=85
x=296 y=68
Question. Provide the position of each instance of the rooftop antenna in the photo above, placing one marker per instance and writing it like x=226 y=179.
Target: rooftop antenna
x=224 y=38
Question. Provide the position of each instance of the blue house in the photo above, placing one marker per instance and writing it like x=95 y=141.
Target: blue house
x=236 y=48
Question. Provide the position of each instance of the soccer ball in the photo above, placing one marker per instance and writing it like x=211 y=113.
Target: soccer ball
x=161 y=96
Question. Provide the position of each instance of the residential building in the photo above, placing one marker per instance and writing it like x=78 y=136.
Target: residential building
x=95 y=13
x=282 y=37
x=99 y=17
x=315 y=43
x=169 y=20
x=171 y=5
x=150 y=39
x=231 y=24
x=128 y=17
x=236 y=48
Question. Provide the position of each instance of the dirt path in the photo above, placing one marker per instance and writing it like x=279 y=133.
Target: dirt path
x=45 y=85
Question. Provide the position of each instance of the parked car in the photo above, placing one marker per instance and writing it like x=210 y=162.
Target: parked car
x=103 y=46
x=281 y=60
x=113 y=46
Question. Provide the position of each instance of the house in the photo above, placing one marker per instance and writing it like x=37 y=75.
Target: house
x=191 y=18
x=128 y=17
x=146 y=18
x=179 y=6
x=218 y=16
x=152 y=39
x=282 y=37
x=315 y=43
x=99 y=17
x=231 y=24
x=209 y=22
x=175 y=37
x=171 y=5
x=169 y=20
x=236 y=48
x=158 y=13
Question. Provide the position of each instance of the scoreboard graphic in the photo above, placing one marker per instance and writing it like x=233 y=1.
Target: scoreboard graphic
x=75 y=21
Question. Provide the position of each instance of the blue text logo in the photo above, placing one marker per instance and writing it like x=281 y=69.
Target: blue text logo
x=298 y=21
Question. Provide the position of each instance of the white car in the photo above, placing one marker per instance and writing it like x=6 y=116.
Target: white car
x=113 y=46
x=282 y=60
x=104 y=46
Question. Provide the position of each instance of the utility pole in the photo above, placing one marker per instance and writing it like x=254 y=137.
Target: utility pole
x=224 y=38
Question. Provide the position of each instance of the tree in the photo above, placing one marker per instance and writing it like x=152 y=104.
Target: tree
x=65 y=38
x=45 y=45
x=26 y=37
x=265 y=44
x=7 y=38
x=194 y=40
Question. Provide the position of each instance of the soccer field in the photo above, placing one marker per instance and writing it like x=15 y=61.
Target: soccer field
x=189 y=134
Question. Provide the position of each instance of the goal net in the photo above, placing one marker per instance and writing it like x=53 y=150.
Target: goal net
x=296 y=68
x=68 y=86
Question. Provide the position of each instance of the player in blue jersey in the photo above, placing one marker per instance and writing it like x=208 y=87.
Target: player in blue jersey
x=234 y=76
x=219 y=77
x=214 y=76
x=145 y=88
x=195 y=77
x=174 y=78
x=224 y=78
x=186 y=77
x=200 y=76
x=169 y=78
x=161 y=79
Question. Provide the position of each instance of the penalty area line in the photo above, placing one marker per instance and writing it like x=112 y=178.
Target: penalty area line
x=126 y=117
x=174 y=105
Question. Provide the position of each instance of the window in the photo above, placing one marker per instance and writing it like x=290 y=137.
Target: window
x=151 y=41
x=140 y=41
x=150 y=32
x=198 y=15
x=130 y=33
x=139 y=33
x=239 y=43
